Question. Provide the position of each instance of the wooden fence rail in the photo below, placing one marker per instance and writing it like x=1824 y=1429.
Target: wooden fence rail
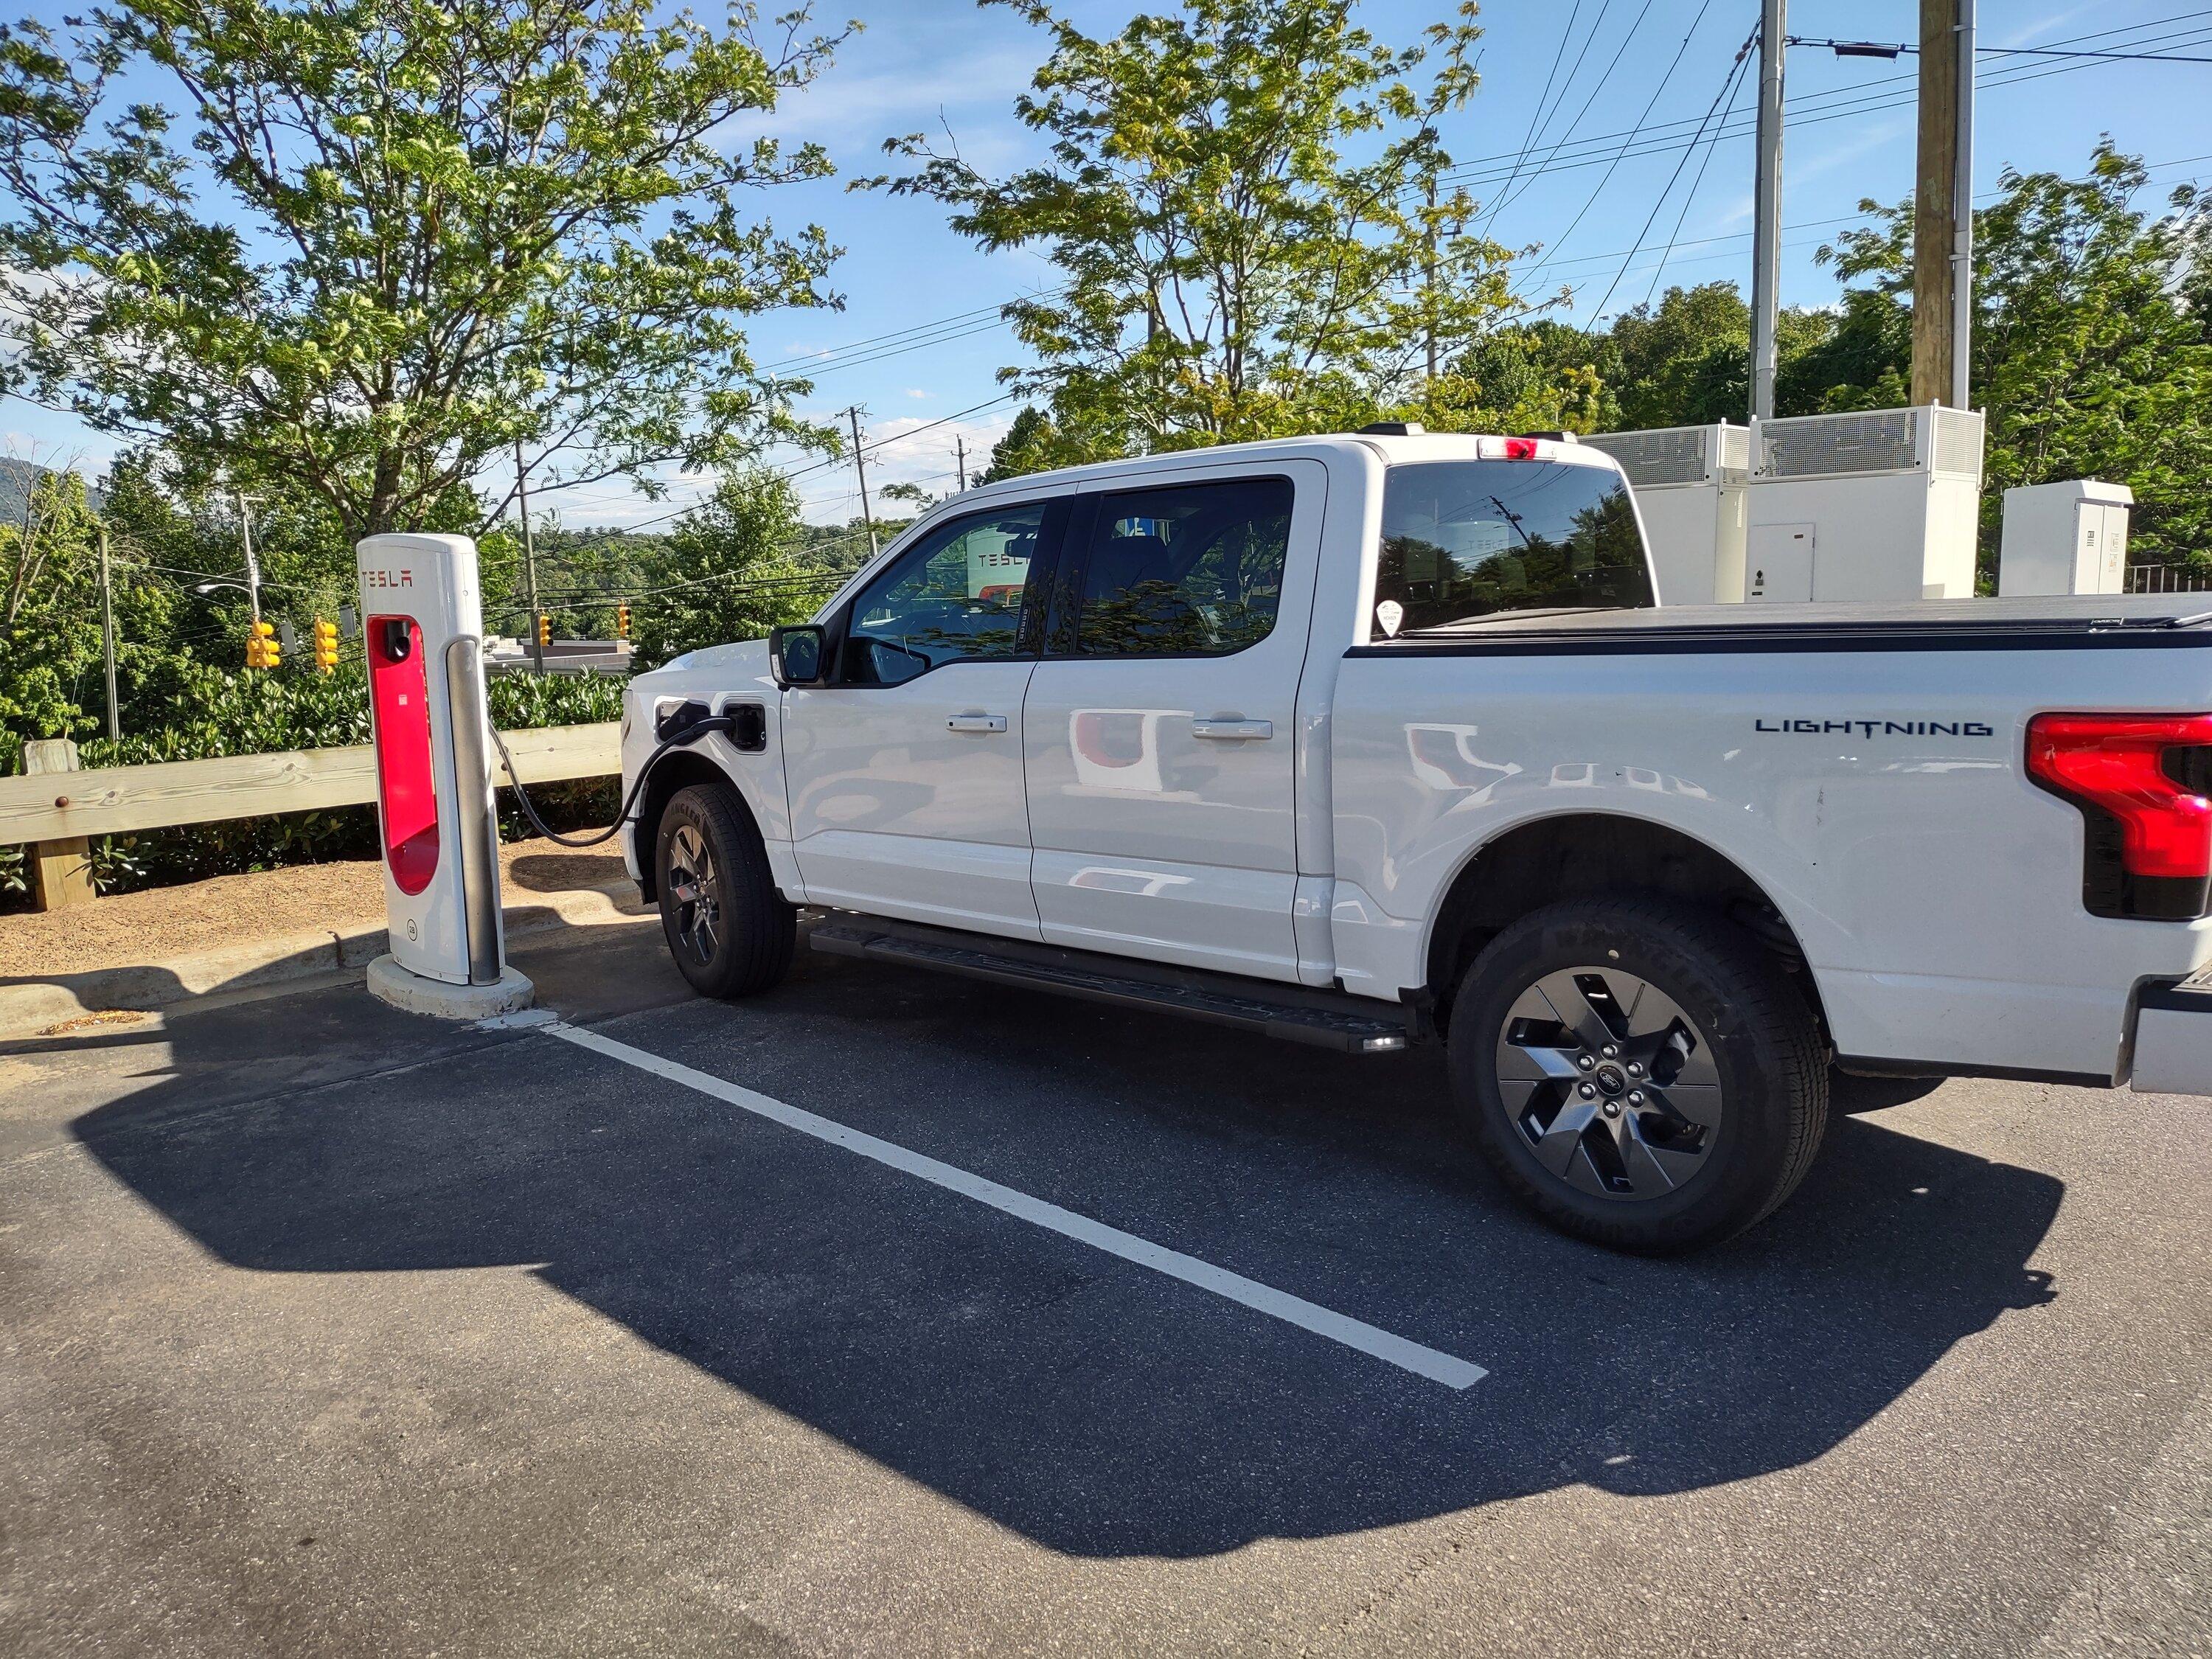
x=67 y=806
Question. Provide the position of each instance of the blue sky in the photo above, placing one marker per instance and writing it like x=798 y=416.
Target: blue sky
x=932 y=63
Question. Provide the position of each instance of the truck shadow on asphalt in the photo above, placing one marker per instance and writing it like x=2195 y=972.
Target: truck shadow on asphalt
x=1084 y=1402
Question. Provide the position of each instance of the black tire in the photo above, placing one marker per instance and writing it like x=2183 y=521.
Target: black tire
x=1649 y=1178
x=731 y=934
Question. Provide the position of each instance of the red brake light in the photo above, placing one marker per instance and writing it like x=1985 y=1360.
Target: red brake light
x=1519 y=449
x=2116 y=762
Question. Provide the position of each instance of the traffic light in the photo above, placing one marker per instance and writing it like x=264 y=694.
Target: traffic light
x=544 y=629
x=622 y=622
x=326 y=645
x=262 y=650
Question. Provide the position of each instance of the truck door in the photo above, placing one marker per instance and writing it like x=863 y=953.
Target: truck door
x=1160 y=726
x=905 y=773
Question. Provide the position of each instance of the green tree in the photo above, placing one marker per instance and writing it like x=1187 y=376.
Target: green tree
x=49 y=614
x=1685 y=362
x=1032 y=444
x=1238 y=195
x=728 y=574
x=1539 y=376
x=386 y=241
x=2089 y=354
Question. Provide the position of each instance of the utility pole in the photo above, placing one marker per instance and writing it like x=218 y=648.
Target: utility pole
x=960 y=459
x=252 y=564
x=529 y=559
x=859 y=468
x=1942 y=207
x=1962 y=196
x=1767 y=226
x=107 y=636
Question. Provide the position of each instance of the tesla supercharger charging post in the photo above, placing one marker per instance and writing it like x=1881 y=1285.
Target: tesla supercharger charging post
x=422 y=631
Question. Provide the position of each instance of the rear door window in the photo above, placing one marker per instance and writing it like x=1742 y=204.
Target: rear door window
x=1467 y=539
x=1193 y=570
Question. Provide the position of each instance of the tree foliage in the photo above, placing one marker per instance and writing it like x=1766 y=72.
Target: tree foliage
x=384 y=241
x=728 y=572
x=2092 y=344
x=1246 y=199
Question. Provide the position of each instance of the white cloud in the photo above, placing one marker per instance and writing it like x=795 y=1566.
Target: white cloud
x=2026 y=34
x=915 y=391
x=854 y=110
x=928 y=458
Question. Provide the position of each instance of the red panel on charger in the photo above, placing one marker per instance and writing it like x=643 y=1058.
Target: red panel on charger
x=400 y=692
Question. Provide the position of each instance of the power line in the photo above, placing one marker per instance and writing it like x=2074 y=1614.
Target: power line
x=1665 y=81
x=1470 y=172
x=1529 y=139
x=1689 y=198
x=1620 y=51
x=1893 y=49
x=1726 y=93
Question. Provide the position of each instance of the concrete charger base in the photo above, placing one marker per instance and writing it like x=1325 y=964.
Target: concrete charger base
x=413 y=993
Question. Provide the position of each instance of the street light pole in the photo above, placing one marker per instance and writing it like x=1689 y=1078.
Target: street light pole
x=252 y=564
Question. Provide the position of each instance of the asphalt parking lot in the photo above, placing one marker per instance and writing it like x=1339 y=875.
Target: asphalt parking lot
x=330 y=1329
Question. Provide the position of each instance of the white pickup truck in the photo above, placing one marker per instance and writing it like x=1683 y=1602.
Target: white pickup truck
x=1384 y=738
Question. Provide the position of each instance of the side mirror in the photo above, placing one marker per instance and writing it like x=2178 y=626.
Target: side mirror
x=794 y=655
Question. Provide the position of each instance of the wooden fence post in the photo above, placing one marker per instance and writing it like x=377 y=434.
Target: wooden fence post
x=61 y=871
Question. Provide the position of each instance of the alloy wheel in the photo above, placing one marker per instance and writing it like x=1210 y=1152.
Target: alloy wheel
x=1611 y=1086
x=695 y=887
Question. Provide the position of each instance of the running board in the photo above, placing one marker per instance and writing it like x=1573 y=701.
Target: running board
x=1324 y=1018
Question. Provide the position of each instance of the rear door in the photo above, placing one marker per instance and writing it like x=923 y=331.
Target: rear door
x=1159 y=729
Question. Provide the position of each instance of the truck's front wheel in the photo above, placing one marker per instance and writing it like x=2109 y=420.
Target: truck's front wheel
x=1639 y=1071
x=730 y=931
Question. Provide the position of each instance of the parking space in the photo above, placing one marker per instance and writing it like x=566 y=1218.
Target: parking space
x=1009 y=1328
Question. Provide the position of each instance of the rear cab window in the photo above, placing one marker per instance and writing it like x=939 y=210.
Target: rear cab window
x=1468 y=540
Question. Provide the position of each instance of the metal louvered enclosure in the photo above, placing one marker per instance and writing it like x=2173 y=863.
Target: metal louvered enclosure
x=1689 y=482
x=1864 y=504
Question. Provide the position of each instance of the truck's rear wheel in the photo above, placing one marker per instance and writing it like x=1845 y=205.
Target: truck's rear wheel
x=1638 y=1071
x=730 y=931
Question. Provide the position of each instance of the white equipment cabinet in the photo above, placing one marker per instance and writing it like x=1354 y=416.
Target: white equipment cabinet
x=1875 y=504
x=1689 y=484
x=2065 y=537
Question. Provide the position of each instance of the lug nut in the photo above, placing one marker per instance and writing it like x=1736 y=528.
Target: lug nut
x=1635 y=1068
x=1613 y=1108
x=1610 y=1051
x=1586 y=1091
x=1636 y=1097
x=1584 y=1061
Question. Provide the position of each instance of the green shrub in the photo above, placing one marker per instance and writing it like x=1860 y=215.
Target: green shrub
x=210 y=713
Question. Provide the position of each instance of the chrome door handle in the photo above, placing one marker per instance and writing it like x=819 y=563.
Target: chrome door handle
x=1233 y=729
x=977 y=722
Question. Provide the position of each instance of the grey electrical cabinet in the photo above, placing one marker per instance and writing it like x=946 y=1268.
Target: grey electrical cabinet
x=2070 y=536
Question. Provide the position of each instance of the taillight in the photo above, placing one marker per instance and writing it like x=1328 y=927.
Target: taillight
x=1519 y=449
x=2138 y=780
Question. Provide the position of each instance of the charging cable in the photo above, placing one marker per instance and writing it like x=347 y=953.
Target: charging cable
x=690 y=734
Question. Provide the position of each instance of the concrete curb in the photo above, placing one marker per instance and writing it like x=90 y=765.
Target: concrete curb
x=30 y=1005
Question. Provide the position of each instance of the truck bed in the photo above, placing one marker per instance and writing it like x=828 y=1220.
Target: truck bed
x=2054 y=623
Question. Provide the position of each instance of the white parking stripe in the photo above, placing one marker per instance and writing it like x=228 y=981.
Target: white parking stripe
x=1443 y=1368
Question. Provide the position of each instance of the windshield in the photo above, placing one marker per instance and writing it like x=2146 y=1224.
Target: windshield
x=1463 y=540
